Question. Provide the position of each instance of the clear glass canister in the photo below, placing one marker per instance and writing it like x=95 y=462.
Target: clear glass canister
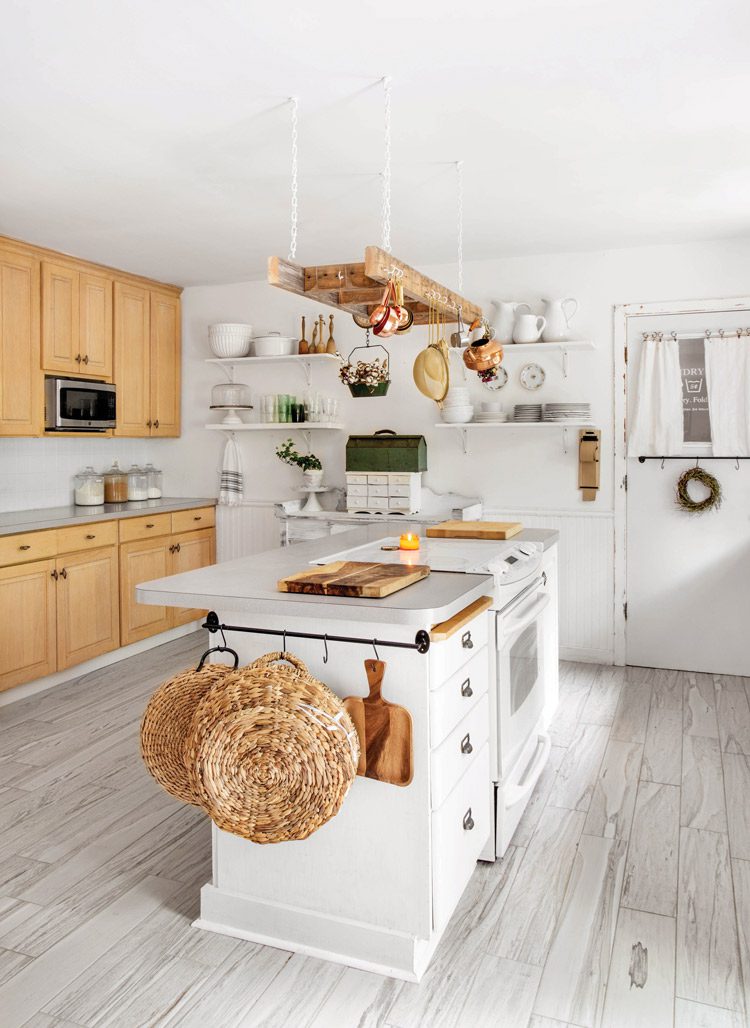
x=88 y=488
x=137 y=483
x=154 y=482
x=115 y=484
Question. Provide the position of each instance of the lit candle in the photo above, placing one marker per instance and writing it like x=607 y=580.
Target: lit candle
x=409 y=541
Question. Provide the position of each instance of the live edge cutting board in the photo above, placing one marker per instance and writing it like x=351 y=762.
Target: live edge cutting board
x=353 y=578
x=474 y=530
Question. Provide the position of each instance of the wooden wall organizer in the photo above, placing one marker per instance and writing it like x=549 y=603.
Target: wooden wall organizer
x=589 y=450
x=358 y=288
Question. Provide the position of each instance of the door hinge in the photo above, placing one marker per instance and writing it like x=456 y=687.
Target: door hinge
x=626 y=355
x=625 y=610
x=625 y=482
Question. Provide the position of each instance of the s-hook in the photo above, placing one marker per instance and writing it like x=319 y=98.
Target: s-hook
x=375 y=649
x=325 y=646
x=662 y=463
x=736 y=463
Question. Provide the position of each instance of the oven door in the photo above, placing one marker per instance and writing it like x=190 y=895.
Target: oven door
x=520 y=682
x=82 y=405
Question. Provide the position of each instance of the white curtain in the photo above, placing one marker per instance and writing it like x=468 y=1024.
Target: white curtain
x=657 y=422
x=728 y=386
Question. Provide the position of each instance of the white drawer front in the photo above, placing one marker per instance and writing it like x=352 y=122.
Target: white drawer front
x=453 y=757
x=376 y=490
x=352 y=479
x=448 y=656
x=457 y=696
x=459 y=831
x=400 y=490
x=401 y=503
x=406 y=478
x=377 y=480
x=356 y=490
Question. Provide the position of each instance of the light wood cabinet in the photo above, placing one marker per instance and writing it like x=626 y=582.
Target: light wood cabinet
x=21 y=383
x=142 y=561
x=87 y=605
x=76 y=322
x=166 y=344
x=191 y=550
x=28 y=628
x=132 y=359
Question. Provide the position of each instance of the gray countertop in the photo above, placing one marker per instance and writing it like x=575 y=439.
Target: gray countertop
x=249 y=585
x=61 y=517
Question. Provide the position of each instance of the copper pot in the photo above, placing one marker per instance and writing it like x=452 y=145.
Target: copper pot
x=483 y=356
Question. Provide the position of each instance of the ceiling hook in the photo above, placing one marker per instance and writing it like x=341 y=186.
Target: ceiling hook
x=375 y=649
x=325 y=645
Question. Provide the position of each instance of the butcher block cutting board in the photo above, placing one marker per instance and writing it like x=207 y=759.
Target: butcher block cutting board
x=474 y=530
x=384 y=730
x=353 y=578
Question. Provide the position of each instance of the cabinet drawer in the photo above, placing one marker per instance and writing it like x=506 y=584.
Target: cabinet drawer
x=377 y=479
x=356 y=490
x=455 y=755
x=355 y=479
x=17 y=549
x=187 y=520
x=457 y=696
x=400 y=490
x=377 y=490
x=86 y=537
x=459 y=831
x=145 y=528
x=412 y=478
x=456 y=641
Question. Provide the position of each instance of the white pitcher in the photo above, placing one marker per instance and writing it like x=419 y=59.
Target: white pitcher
x=503 y=318
x=558 y=319
x=528 y=328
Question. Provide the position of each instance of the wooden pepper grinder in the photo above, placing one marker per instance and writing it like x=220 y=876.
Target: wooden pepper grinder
x=320 y=346
x=331 y=344
x=313 y=338
x=302 y=345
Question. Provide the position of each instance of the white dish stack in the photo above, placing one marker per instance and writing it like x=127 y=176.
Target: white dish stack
x=378 y=492
x=230 y=340
x=567 y=412
x=526 y=412
x=457 y=408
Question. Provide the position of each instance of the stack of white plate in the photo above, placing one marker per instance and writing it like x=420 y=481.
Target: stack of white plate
x=490 y=417
x=527 y=412
x=567 y=411
x=457 y=408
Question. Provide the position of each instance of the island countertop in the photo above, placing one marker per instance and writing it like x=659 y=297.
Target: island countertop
x=249 y=585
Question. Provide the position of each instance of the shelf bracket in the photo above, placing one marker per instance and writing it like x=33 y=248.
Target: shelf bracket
x=565 y=440
x=565 y=363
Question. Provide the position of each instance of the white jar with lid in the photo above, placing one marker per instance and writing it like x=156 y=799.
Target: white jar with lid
x=137 y=483
x=88 y=488
x=154 y=482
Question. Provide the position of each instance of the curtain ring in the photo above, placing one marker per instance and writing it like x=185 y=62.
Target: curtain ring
x=375 y=649
x=325 y=645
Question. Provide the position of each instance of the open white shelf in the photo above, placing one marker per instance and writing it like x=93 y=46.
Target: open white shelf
x=280 y=426
x=563 y=348
x=306 y=361
x=521 y=425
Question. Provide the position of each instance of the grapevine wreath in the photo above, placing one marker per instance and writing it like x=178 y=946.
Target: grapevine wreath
x=685 y=500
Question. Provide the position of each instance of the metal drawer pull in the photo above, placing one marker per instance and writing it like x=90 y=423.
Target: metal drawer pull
x=78 y=358
x=197 y=518
x=25 y=547
x=468 y=821
x=466 y=641
x=156 y=423
x=63 y=573
x=149 y=524
x=466 y=746
x=86 y=359
x=90 y=536
x=53 y=574
x=466 y=689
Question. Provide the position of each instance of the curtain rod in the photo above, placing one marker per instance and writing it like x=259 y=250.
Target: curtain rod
x=719 y=333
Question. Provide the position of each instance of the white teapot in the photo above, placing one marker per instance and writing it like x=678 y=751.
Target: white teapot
x=557 y=328
x=503 y=319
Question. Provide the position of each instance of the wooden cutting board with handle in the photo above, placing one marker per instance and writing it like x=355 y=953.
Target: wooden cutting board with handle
x=353 y=578
x=384 y=730
x=475 y=530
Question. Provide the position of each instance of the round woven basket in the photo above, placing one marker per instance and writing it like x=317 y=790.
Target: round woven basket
x=271 y=752
x=166 y=723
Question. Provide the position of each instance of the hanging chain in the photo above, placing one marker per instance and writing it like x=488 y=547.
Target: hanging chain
x=293 y=234
x=386 y=175
x=460 y=224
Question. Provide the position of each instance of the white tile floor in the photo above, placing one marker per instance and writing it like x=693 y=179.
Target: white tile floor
x=624 y=899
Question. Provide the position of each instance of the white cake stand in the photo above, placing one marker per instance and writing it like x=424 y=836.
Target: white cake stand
x=313 y=503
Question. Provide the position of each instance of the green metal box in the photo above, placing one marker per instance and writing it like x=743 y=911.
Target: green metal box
x=386 y=451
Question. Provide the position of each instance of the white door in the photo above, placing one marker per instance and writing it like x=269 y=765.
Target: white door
x=688 y=575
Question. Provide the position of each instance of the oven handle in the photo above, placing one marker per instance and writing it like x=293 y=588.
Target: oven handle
x=515 y=794
x=509 y=627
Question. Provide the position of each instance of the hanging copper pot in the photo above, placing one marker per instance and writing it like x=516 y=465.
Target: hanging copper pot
x=483 y=355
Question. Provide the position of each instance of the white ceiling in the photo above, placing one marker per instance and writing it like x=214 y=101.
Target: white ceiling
x=153 y=134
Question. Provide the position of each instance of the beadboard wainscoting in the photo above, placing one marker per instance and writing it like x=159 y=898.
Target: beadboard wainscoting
x=586 y=577
x=250 y=527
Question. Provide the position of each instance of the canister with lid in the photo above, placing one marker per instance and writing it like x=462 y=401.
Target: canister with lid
x=154 y=481
x=137 y=483
x=88 y=488
x=115 y=484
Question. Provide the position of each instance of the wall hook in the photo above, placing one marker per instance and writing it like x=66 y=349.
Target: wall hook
x=375 y=649
x=283 y=640
x=736 y=463
x=325 y=647
x=662 y=463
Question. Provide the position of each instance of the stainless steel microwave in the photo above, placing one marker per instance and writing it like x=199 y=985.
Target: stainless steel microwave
x=79 y=405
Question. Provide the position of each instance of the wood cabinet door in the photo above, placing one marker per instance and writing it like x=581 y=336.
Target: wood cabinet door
x=191 y=550
x=96 y=325
x=132 y=359
x=61 y=350
x=87 y=605
x=166 y=348
x=27 y=622
x=142 y=561
x=21 y=379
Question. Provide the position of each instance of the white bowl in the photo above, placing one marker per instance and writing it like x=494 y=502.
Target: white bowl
x=457 y=415
x=274 y=345
x=230 y=340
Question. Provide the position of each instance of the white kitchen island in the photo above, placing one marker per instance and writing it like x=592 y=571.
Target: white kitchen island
x=375 y=887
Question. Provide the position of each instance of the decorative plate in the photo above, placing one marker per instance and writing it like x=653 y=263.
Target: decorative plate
x=497 y=380
x=532 y=376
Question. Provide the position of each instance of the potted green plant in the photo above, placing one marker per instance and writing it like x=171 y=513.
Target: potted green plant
x=312 y=469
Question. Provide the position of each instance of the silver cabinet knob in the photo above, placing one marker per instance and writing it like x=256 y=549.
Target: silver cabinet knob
x=466 y=641
x=466 y=746
x=466 y=689
x=468 y=821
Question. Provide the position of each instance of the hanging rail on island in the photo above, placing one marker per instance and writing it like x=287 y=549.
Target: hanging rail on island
x=698 y=458
x=421 y=640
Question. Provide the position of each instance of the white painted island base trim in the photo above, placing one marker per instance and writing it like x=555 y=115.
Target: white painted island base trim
x=363 y=946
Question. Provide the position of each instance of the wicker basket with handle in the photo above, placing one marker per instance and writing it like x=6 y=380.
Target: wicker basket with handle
x=271 y=752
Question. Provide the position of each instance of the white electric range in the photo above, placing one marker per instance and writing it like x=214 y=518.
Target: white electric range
x=522 y=660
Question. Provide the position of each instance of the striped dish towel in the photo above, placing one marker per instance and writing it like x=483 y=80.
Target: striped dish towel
x=231 y=487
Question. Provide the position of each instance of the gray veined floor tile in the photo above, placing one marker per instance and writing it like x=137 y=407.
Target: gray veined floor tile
x=688 y=1014
x=538 y=799
x=10 y=964
x=574 y=980
x=360 y=998
x=733 y=714
x=579 y=769
x=708 y=958
x=601 y=702
x=535 y=1021
x=299 y=991
x=741 y=879
x=575 y=683
x=700 y=706
x=651 y=869
x=662 y=754
x=631 y=716
x=613 y=800
x=737 y=786
x=640 y=990
x=13 y=773
x=702 y=802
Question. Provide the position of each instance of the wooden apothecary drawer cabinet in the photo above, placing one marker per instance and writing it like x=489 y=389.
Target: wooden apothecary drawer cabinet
x=63 y=316
x=68 y=594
